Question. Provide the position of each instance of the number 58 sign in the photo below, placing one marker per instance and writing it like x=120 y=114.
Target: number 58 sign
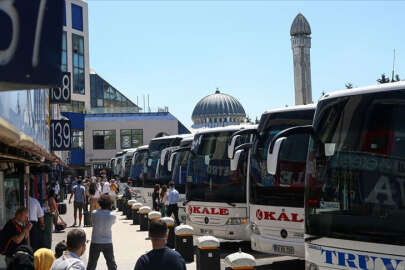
x=62 y=94
x=61 y=135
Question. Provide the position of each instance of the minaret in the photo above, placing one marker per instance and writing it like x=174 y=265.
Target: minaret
x=301 y=44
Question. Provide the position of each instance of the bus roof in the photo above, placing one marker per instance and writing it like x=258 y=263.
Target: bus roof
x=224 y=129
x=292 y=108
x=170 y=137
x=385 y=87
x=141 y=148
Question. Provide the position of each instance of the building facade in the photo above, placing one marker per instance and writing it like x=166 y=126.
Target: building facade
x=109 y=133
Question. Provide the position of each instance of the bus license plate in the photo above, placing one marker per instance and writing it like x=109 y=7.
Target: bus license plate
x=204 y=231
x=283 y=249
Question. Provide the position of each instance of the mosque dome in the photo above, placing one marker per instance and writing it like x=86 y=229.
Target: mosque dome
x=300 y=26
x=218 y=108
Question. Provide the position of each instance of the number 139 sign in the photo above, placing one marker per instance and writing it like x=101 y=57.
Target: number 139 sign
x=61 y=136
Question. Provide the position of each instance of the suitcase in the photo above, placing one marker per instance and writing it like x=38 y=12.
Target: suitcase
x=87 y=219
x=62 y=208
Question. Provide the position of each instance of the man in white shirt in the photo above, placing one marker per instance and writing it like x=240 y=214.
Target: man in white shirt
x=106 y=187
x=76 y=246
x=36 y=216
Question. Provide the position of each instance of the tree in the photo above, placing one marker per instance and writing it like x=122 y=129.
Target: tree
x=383 y=79
x=348 y=85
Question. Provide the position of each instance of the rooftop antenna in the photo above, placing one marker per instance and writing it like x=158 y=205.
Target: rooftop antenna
x=393 y=68
x=148 y=103
x=143 y=103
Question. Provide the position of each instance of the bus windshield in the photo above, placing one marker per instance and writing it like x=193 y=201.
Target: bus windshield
x=179 y=174
x=212 y=180
x=138 y=164
x=356 y=169
x=155 y=149
x=286 y=188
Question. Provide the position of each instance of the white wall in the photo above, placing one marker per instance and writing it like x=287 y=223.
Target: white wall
x=150 y=129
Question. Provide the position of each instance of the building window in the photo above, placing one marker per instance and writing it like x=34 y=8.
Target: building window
x=78 y=139
x=104 y=139
x=64 y=52
x=75 y=106
x=64 y=12
x=131 y=138
x=77 y=17
x=78 y=64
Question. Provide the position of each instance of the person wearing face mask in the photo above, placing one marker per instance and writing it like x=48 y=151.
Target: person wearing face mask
x=76 y=246
x=15 y=233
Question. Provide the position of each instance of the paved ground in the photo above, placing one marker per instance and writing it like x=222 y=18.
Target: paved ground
x=130 y=244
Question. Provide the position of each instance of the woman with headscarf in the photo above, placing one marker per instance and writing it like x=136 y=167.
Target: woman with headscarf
x=43 y=259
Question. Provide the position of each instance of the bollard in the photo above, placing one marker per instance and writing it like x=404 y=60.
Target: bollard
x=154 y=215
x=170 y=226
x=135 y=213
x=240 y=260
x=208 y=257
x=129 y=211
x=143 y=218
x=124 y=207
x=184 y=242
x=119 y=202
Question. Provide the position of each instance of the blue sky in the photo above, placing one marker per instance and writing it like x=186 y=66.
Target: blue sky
x=180 y=51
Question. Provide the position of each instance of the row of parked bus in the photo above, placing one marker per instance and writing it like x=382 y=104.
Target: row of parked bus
x=323 y=182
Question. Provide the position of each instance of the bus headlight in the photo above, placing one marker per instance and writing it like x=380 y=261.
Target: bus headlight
x=311 y=266
x=236 y=221
x=255 y=228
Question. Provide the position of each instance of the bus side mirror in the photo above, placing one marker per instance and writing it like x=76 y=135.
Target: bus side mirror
x=272 y=158
x=231 y=146
x=171 y=160
x=235 y=160
x=163 y=157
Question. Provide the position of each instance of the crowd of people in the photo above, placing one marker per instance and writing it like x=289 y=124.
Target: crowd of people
x=20 y=239
x=166 y=201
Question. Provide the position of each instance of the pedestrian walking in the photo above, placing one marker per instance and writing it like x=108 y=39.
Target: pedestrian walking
x=101 y=237
x=106 y=187
x=155 y=197
x=164 y=202
x=161 y=257
x=173 y=199
x=43 y=259
x=36 y=217
x=76 y=246
x=14 y=234
x=53 y=208
x=79 y=194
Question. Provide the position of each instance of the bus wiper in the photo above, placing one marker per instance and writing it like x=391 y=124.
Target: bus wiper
x=312 y=238
x=231 y=204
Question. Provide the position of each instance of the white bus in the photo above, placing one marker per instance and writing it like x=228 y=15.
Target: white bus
x=138 y=165
x=355 y=184
x=126 y=163
x=154 y=173
x=276 y=202
x=216 y=196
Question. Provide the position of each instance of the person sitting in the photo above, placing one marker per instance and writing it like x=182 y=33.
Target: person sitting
x=23 y=259
x=161 y=257
x=14 y=234
x=43 y=259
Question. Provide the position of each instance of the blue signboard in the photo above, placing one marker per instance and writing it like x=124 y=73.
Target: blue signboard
x=30 y=44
